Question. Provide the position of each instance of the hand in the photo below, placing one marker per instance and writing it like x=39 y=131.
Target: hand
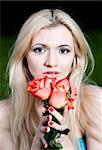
x=62 y=125
x=39 y=141
x=65 y=142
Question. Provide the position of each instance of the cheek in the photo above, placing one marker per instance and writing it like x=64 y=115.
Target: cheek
x=66 y=63
x=34 y=64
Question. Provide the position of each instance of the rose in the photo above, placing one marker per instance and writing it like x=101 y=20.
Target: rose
x=73 y=92
x=71 y=96
x=40 y=87
x=58 y=100
x=59 y=94
x=54 y=93
x=63 y=93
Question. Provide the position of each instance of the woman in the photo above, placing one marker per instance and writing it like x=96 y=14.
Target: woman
x=50 y=43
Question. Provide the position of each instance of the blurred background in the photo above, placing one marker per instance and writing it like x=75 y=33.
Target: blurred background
x=88 y=14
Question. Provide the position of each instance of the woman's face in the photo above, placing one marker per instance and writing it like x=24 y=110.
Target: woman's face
x=52 y=52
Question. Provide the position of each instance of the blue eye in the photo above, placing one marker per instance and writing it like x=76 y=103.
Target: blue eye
x=64 y=51
x=39 y=50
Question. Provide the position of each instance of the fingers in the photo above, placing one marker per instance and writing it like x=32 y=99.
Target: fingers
x=43 y=109
x=60 y=139
x=61 y=119
x=57 y=115
x=44 y=119
x=45 y=129
x=56 y=125
x=43 y=141
x=44 y=125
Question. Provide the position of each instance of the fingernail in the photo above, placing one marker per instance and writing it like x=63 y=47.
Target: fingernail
x=57 y=140
x=50 y=123
x=45 y=129
x=45 y=146
x=48 y=129
x=42 y=109
x=49 y=117
x=51 y=109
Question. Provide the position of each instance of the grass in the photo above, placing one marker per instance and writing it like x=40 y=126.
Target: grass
x=6 y=42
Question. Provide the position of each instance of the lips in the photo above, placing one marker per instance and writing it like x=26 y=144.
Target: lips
x=51 y=73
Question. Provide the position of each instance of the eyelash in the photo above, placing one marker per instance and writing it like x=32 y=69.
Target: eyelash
x=39 y=50
x=42 y=50
x=64 y=51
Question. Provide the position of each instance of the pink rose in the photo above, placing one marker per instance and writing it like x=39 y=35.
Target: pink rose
x=62 y=85
x=59 y=94
x=40 y=87
x=72 y=97
x=58 y=99
x=73 y=92
x=70 y=104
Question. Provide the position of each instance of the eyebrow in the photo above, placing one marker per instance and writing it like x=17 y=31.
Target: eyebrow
x=62 y=45
x=65 y=45
x=39 y=45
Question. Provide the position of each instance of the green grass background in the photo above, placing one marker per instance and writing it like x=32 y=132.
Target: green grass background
x=6 y=42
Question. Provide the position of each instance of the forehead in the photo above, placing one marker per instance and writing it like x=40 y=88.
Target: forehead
x=56 y=34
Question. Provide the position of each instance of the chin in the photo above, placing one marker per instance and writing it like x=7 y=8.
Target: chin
x=61 y=77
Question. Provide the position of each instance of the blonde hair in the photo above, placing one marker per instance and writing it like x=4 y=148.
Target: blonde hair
x=23 y=123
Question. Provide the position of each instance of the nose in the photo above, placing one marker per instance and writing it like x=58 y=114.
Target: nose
x=50 y=60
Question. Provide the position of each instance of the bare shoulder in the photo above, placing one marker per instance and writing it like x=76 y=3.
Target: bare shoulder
x=93 y=92
x=4 y=113
x=92 y=100
x=91 y=107
x=93 y=144
x=93 y=95
x=5 y=135
x=6 y=142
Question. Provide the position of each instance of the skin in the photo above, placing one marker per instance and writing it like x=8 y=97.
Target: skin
x=64 y=140
x=52 y=49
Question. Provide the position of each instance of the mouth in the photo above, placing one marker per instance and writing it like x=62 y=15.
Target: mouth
x=51 y=73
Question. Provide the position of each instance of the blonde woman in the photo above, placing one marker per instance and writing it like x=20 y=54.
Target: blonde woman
x=50 y=42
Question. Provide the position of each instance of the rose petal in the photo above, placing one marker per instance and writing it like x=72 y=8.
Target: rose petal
x=40 y=87
x=74 y=92
x=58 y=99
x=70 y=105
x=43 y=94
x=64 y=83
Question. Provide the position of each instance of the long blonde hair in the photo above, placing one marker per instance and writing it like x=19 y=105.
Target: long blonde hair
x=23 y=123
